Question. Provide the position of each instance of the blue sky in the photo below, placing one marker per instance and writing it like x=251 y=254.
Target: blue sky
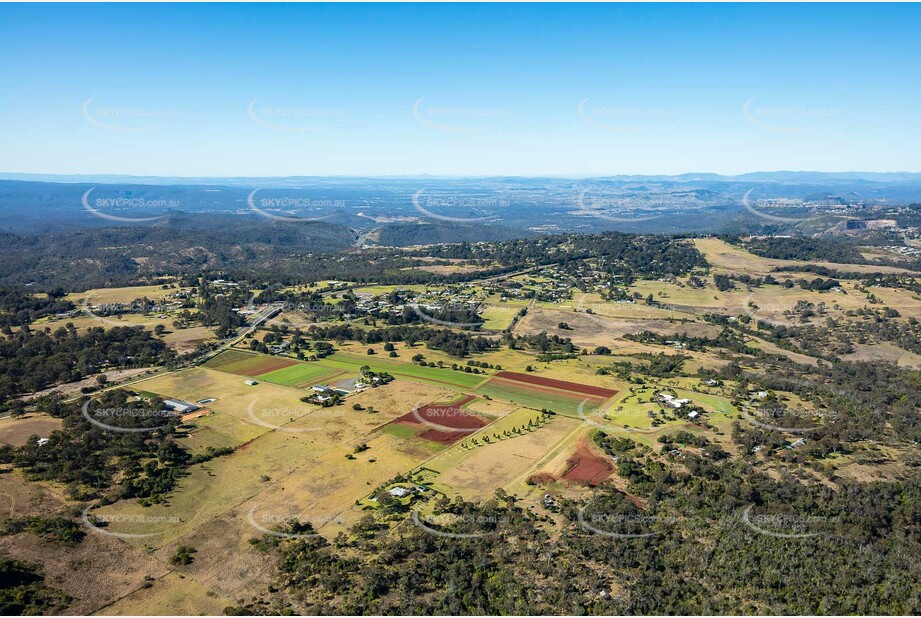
x=258 y=90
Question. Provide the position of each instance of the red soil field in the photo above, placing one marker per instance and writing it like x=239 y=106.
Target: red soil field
x=442 y=437
x=586 y=467
x=448 y=415
x=267 y=365
x=574 y=387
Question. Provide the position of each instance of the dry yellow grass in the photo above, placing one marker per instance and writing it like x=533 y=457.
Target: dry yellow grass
x=265 y=404
x=593 y=330
x=496 y=465
x=724 y=257
x=95 y=573
x=172 y=595
x=16 y=431
x=120 y=295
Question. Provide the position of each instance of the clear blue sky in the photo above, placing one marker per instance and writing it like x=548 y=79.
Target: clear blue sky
x=232 y=90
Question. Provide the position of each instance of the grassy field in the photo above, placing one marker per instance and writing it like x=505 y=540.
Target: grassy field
x=463 y=449
x=301 y=375
x=727 y=258
x=219 y=430
x=593 y=330
x=17 y=431
x=299 y=470
x=263 y=404
x=182 y=340
x=172 y=595
x=353 y=363
x=499 y=317
x=475 y=473
x=119 y=295
x=95 y=573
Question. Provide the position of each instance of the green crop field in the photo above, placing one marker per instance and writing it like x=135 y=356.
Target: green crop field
x=522 y=394
x=300 y=375
x=427 y=375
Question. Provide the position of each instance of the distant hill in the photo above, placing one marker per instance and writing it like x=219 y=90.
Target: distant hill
x=394 y=208
x=180 y=242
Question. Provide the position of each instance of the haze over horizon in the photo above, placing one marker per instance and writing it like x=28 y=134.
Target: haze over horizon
x=461 y=91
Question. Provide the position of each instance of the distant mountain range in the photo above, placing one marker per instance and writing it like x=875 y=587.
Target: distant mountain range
x=409 y=210
x=782 y=176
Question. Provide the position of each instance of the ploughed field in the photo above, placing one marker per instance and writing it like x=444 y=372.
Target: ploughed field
x=447 y=422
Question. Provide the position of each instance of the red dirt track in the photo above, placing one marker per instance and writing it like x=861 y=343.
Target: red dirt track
x=563 y=385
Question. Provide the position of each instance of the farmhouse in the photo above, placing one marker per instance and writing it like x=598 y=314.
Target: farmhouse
x=398 y=492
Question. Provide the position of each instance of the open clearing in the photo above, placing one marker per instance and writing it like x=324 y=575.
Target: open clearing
x=499 y=317
x=593 y=330
x=884 y=352
x=495 y=465
x=120 y=295
x=172 y=595
x=95 y=573
x=727 y=258
x=17 y=431
x=265 y=404
x=587 y=465
x=299 y=470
